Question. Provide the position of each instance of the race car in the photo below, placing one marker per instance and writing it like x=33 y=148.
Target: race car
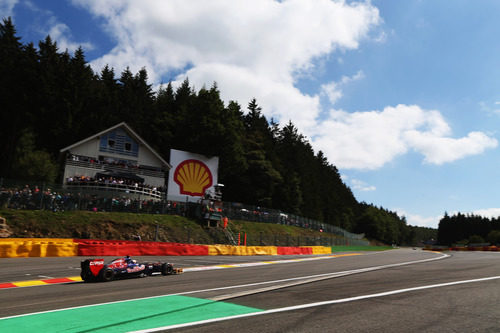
x=96 y=270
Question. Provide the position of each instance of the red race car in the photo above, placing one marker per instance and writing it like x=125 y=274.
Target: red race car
x=119 y=268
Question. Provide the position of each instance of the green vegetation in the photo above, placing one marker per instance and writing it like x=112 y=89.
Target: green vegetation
x=468 y=229
x=51 y=99
x=168 y=228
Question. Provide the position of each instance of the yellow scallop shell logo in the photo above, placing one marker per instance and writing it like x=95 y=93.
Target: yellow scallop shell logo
x=193 y=177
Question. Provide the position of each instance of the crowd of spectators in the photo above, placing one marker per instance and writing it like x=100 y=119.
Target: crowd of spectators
x=125 y=164
x=59 y=199
x=34 y=198
x=116 y=182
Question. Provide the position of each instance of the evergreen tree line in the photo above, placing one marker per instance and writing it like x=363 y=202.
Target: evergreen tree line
x=51 y=99
x=470 y=228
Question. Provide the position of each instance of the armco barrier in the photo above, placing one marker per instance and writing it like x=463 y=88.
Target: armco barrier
x=290 y=250
x=321 y=250
x=229 y=250
x=173 y=249
x=37 y=247
x=463 y=248
x=88 y=247
x=64 y=247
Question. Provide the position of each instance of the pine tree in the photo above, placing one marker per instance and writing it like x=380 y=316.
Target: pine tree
x=162 y=122
x=15 y=99
x=261 y=176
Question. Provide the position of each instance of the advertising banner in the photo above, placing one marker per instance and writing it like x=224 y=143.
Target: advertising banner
x=192 y=175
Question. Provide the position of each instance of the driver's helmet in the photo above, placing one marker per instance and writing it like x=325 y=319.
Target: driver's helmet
x=134 y=261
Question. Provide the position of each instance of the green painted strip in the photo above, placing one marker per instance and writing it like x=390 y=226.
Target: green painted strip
x=125 y=316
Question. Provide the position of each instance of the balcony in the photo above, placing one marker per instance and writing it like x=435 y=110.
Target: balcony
x=115 y=189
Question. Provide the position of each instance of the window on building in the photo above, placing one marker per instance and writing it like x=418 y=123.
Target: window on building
x=118 y=142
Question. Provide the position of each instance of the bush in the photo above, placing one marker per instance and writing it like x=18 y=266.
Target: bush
x=494 y=237
x=476 y=239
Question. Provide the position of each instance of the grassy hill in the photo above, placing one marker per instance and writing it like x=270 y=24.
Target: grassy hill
x=166 y=228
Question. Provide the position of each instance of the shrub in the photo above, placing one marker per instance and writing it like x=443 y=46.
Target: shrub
x=494 y=237
x=476 y=239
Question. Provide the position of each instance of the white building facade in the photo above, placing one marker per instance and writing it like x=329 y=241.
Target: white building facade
x=115 y=159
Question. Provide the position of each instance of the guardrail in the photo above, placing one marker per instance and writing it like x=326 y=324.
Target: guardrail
x=117 y=198
x=68 y=247
x=109 y=187
x=111 y=167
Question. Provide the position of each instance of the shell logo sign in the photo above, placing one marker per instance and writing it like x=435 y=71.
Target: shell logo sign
x=193 y=177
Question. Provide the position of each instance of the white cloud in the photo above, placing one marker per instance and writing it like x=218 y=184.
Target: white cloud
x=420 y=221
x=333 y=90
x=490 y=108
x=360 y=185
x=256 y=50
x=61 y=33
x=241 y=84
x=368 y=140
x=7 y=8
x=433 y=221
x=439 y=150
x=488 y=212
x=260 y=51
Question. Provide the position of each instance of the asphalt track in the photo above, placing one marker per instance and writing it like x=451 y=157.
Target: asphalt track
x=400 y=290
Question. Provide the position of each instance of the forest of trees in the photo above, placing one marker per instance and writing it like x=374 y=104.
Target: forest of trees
x=51 y=99
x=468 y=229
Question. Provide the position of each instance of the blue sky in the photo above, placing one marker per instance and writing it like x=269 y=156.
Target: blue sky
x=402 y=96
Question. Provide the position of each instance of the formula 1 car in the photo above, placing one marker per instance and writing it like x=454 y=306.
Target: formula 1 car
x=95 y=270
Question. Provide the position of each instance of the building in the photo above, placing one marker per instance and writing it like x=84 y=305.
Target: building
x=116 y=161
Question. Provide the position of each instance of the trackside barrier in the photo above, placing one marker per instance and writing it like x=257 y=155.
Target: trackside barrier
x=290 y=250
x=37 y=247
x=174 y=249
x=321 y=249
x=229 y=250
x=134 y=248
x=475 y=248
x=463 y=248
x=64 y=247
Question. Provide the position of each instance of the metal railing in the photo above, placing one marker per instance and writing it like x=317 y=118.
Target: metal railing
x=55 y=197
x=88 y=162
x=95 y=186
x=260 y=214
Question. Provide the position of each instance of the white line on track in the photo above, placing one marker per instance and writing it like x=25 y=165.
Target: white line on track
x=311 y=305
x=257 y=263
x=334 y=274
x=313 y=278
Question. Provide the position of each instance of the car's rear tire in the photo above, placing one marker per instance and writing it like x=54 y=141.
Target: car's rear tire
x=108 y=274
x=166 y=269
x=87 y=277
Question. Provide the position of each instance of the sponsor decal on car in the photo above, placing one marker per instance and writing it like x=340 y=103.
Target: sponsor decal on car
x=120 y=263
x=136 y=269
x=96 y=266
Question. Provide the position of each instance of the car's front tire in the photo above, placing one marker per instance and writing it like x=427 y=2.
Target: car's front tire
x=166 y=269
